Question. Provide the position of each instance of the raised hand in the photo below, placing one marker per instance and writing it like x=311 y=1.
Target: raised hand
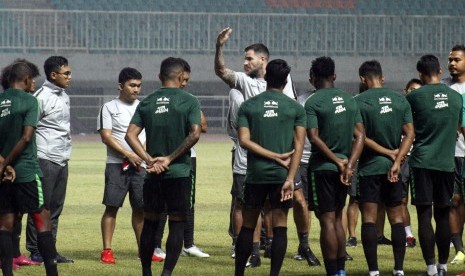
x=223 y=36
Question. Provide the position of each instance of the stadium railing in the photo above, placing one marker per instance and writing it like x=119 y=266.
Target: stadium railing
x=116 y=32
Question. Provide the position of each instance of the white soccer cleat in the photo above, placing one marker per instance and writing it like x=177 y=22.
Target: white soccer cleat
x=194 y=251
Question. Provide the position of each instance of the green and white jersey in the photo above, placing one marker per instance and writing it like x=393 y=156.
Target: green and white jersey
x=17 y=110
x=384 y=112
x=334 y=113
x=167 y=116
x=271 y=118
x=437 y=111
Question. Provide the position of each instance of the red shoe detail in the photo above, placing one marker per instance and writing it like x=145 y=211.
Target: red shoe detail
x=107 y=257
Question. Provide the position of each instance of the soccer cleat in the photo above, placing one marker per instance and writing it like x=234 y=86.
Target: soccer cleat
x=194 y=251
x=397 y=274
x=410 y=242
x=461 y=274
x=24 y=261
x=15 y=266
x=341 y=273
x=157 y=259
x=159 y=254
x=459 y=258
x=308 y=255
x=60 y=259
x=383 y=240
x=106 y=257
x=351 y=242
x=254 y=261
x=36 y=257
x=348 y=257
x=442 y=272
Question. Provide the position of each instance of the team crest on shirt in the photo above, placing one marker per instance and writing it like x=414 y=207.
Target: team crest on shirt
x=338 y=100
x=441 y=98
x=163 y=100
x=270 y=104
x=5 y=112
x=270 y=113
x=161 y=109
x=5 y=103
x=385 y=109
x=385 y=100
x=339 y=109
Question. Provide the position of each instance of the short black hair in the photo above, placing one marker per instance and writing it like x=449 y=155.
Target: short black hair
x=458 y=47
x=185 y=65
x=370 y=69
x=277 y=71
x=128 y=73
x=18 y=72
x=428 y=65
x=53 y=64
x=412 y=81
x=323 y=67
x=170 y=67
x=6 y=71
x=259 y=48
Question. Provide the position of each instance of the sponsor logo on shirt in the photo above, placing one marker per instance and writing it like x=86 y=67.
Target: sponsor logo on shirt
x=270 y=113
x=338 y=100
x=5 y=103
x=339 y=109
x=163 y=100
x=385 y=109
x=385 y=100
x=441 y=104
x=5 y=112
x=440 y=96
x=161 y=109
x=270 y=104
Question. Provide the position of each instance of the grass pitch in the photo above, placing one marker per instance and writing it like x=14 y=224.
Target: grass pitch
x=80 y=237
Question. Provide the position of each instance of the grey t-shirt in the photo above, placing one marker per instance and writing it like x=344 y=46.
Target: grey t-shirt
x=116 y=116
x=253 y=86
x=240 y=154
x=301 y=99
x=459 y=87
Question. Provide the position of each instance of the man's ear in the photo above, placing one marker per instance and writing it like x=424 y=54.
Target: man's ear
x=120 y=87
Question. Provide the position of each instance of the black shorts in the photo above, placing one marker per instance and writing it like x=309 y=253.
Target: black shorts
x=432 y=187
x=405 y=177
x=377 y=189
x=256 y=194
x=118 y=183
x=237 y=189
x=24 y=197
x=458 y=180
x=301 y=179
x=171 y=195
x=327 y=193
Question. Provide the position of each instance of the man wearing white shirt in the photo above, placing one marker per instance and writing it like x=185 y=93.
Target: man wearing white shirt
x=123 y=172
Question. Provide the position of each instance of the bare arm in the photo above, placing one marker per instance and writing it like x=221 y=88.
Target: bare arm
x=26 y=138
x=203 y=122
x=371 y=144
x=357 y=147
x=313 y=137
x=226 y=74
x=245 y=142
x=287 y=191
x=110 y=141
x=409 y=136
x=162 y=162
x=132 y=137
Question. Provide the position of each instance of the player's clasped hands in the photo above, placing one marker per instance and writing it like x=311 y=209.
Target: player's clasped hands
x=284 y=159
x=158 y=165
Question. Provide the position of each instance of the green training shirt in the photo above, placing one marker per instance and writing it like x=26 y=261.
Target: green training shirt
x=334 y=113
x=384 y=112
x=437 y=111
x=271 y=118
x=167 y=116
x=17 y=110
